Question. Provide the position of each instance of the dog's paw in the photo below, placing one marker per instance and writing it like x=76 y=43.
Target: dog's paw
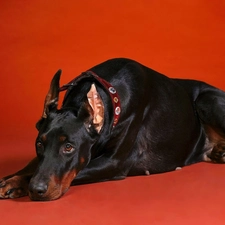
x=13 y=187
x=217 y=155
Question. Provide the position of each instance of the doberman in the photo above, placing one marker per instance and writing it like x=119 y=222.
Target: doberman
x=120 y=119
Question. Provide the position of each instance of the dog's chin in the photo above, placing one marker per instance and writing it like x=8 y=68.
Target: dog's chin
x=49 y=196
x=56 y=188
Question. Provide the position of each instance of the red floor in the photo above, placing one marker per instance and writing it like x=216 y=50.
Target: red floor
x=193 y=195
x=179 y=38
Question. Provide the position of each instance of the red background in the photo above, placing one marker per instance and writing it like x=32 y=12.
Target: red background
x=182 y=39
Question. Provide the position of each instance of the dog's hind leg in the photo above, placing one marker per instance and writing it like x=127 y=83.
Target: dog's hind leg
x=210 y=107
x=16 y=185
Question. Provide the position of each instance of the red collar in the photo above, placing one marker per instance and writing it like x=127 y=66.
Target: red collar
x=106 y=85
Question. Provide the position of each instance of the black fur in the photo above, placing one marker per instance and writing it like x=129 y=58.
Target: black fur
x=164 y=124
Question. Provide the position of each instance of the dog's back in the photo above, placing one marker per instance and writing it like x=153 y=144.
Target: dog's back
x=159 y=126
x=160 y=117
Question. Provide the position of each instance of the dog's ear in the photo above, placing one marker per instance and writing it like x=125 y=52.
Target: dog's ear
x=93 y=110
x=51 y=100
x=39 y=124
x=97 y=107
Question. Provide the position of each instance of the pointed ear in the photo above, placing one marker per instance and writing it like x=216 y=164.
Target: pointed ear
x=51 y=100
x=97 y=108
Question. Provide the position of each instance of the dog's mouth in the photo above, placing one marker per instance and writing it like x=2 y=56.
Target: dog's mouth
x=55 y=188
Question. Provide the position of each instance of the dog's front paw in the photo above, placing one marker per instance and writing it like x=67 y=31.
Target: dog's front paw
x=13 y=187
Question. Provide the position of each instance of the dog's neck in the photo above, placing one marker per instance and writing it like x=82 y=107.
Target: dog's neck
x=108 y=88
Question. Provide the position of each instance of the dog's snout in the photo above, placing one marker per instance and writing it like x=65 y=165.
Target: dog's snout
x=37 y=190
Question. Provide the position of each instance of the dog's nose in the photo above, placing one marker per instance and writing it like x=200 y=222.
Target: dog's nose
x=38 y=189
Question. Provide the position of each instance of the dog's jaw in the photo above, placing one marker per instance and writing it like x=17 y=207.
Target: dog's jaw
x=56 y=187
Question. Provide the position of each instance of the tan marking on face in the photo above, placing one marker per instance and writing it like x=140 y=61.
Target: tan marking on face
x=82 y=160
x=43 y=138
x=67 y=179
x=57 y=187
x=62 y=138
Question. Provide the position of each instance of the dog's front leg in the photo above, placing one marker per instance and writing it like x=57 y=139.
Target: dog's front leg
x=100 y=169
x=16 y=185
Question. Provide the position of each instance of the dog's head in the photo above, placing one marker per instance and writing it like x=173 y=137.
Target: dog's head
x=64 y=142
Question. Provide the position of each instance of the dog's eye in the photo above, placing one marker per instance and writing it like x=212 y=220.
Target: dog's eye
x=39 y=144
x=68 y=148
x=39 y=148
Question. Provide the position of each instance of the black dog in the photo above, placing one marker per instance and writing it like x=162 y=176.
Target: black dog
x=120 y=119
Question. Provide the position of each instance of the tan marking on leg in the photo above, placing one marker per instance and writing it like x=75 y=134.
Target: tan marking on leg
x=14 y=187
x=215 y=144
x=206 y=155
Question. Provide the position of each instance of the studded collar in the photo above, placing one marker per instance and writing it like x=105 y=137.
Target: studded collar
x=106 y=85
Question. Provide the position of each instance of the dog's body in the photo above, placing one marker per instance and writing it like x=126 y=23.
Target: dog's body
x=145 y=123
